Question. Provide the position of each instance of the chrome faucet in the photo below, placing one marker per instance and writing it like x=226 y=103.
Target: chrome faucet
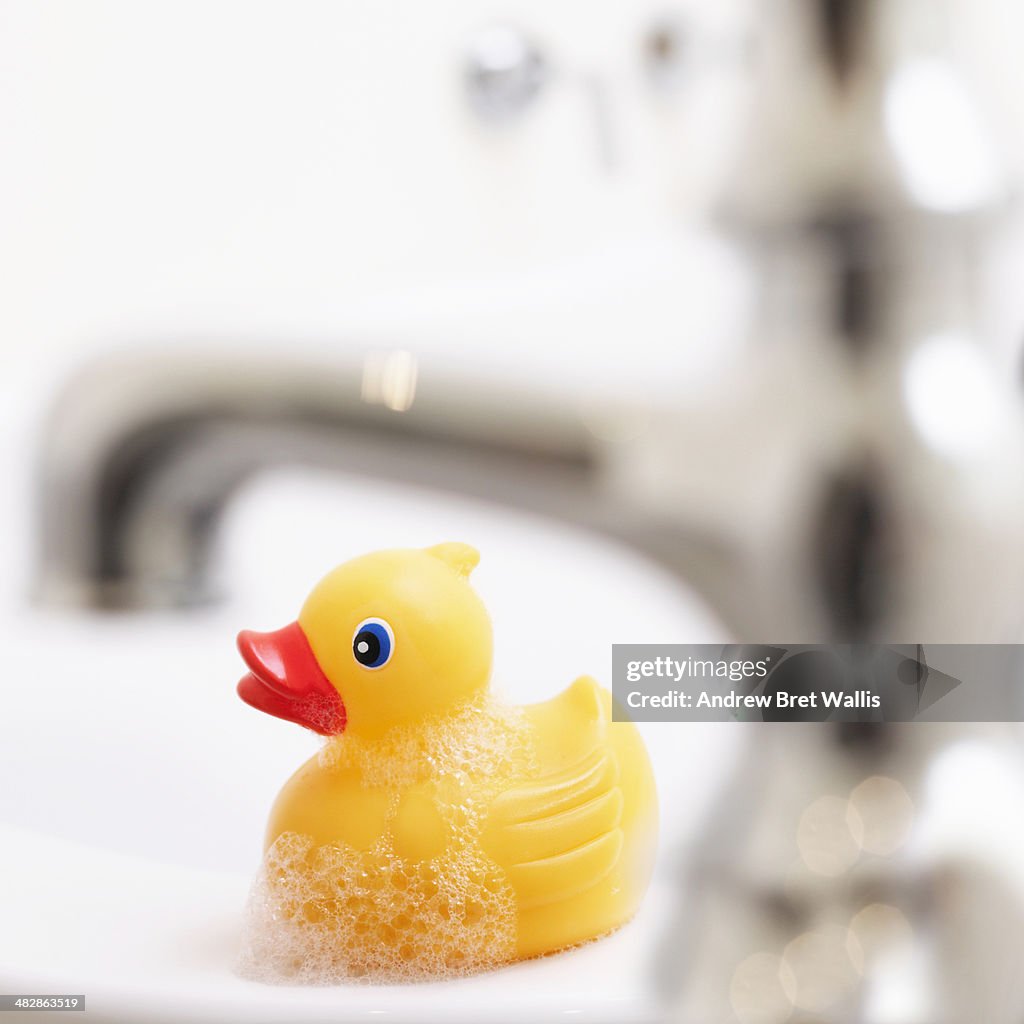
x=831 y=491
x=813 y=893
x=143 y=453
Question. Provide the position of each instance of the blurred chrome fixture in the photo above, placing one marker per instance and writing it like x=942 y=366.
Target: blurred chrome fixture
x=143 y=454
x=836 y=889
x=837 y=496
x=505 y=73
x=872 y=194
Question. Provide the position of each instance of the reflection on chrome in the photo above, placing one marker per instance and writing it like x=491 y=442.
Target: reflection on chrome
x=389 y=379
x=945 y=156
x=952 y=397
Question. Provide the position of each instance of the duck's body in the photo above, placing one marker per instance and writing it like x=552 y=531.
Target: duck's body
x=570 y=824
x=547 y=813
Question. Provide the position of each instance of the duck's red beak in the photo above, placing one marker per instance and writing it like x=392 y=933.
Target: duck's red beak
x=285 y=680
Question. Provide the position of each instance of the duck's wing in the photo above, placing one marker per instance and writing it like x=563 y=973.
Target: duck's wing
x=558 y=834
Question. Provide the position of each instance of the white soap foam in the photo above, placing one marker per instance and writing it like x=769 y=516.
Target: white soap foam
x=324 y=914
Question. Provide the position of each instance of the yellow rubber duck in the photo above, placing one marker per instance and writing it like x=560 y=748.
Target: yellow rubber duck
x=432 y=810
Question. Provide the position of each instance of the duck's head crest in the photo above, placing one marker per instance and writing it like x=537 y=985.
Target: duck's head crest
x=462 y=559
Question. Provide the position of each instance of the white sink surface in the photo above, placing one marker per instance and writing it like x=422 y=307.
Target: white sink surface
x=157 y=942
x=137 y=784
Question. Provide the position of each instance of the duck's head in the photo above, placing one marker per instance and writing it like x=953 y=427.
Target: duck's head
x=386 y=639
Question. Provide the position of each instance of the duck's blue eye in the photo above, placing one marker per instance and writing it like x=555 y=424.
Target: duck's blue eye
x=373 y=643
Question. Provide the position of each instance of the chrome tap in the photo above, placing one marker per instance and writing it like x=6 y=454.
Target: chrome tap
x=143 y=453
x=812 y=894
x=837 y=494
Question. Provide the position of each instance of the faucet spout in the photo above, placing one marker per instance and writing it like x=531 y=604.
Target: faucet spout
x=143 y=453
